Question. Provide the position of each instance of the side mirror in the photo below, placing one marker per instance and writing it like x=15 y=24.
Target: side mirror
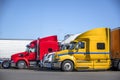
x=77 y=47
x=71 y=53
x=30 y=51
x=27 y=45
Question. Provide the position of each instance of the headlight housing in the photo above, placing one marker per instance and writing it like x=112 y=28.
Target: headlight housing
x=56 y=57
x=20 y=55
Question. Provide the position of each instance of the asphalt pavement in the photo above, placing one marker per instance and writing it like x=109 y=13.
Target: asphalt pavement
x=15 y=74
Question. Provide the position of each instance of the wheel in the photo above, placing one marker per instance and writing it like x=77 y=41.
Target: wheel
x=118 y=67
x=6 y=64
x=67 y=66
x=21 y=65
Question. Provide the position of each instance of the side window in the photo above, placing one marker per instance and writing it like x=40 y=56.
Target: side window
x=32 y=50
x=81 y=45
x=100 y=46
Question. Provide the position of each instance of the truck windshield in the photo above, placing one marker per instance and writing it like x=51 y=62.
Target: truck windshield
x=63 y=47
x=28 y=49
x=72 y=45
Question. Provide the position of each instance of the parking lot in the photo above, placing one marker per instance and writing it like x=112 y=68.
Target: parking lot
x=15 y=74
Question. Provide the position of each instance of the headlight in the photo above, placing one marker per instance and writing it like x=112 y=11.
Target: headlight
x=50 y=58
x=20 y=55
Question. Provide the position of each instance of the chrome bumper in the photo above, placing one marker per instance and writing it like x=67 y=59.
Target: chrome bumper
x=13 y=64
x=47 y=65
x=56 y=65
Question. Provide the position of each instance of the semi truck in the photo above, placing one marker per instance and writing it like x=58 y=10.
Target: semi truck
x=96 y=49
x=34 y=53
x=46 y=63
x=10 y=46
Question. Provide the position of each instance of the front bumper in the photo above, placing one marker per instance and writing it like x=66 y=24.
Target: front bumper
x=56 y=65
x=1 y=63
x=13 y=64
x=47 y=65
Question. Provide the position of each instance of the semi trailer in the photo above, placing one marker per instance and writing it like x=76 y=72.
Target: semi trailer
x=34 y=53
x=115 y=48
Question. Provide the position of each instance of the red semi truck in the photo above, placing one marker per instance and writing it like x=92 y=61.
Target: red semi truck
x=34 y=53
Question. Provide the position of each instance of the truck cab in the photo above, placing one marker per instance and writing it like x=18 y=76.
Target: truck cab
x=23 y=59
x=89 y=51
x=34 y=52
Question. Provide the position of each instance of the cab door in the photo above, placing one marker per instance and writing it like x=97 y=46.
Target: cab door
x=82 y=55
x=32 y=55
x=101 y=57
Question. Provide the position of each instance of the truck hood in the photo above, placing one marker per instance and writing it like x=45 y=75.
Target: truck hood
x=63 y=52
x=18 y=54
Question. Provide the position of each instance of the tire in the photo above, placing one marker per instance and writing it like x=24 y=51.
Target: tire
x=6 y=64
x=67 y=66
x=21 y=65
x=118 y=67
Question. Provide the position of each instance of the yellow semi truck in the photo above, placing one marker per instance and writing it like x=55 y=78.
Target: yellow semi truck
x=89 y=51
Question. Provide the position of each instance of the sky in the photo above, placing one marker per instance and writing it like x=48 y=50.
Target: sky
x=30 y=19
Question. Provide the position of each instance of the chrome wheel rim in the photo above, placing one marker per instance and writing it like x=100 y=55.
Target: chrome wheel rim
x=67 y=66
x=21 y=65
x=6 y=64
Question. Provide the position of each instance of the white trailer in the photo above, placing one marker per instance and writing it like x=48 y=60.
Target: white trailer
x=12 y=46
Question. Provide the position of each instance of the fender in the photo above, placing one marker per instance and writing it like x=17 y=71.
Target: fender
x=23 y=59
x=68 y=57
